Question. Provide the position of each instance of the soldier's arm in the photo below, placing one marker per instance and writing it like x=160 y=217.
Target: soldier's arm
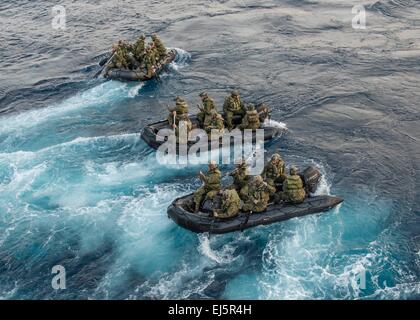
x=300 y=183
x=212 y=105
x=230 y=210
x=226 y=104
x=212 y=178
x=203 y=177
x=264 y=173
x=220 y=124
x=271 y=189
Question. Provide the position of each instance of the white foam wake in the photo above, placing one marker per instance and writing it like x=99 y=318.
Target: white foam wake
x=182 y=59
x=275 y=124
x=99 y=96
x=222 y=256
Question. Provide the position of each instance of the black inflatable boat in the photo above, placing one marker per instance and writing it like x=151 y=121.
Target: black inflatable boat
x=150 y=133
x=203 y=221
x=135 y=75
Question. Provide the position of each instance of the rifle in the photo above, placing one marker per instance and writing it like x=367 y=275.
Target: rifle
x=232 y=173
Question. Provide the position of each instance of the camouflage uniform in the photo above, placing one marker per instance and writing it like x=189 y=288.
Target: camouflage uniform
x=258 y=196
x=251 y=119
x=155 y=55
x=231 y=204
x=149 y=62
x=181 y=108
x=187 y=122
x=216 y=123
x=275 y=170
x=293 y=190
x=233 y=106
x=160 y=48
x=240 y=179
x=139 y=49
x=212 y=186
x=127 y=57
x=126 y=46
x=208 y=106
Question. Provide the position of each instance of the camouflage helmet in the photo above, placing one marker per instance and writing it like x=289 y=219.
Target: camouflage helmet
x=294 y=170
x=263 y=105
x=179 y=99
x=276 y=156
x=154 y=36
x=250 y=107
x=235 y=93
x=258 y=180
x=142 y=36
x=204 y=94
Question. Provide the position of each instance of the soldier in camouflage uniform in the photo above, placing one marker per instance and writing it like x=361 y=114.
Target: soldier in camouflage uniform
x=233 y=106
x=149 y=62
x=231 y=204
x=275 y=170
x=251 y=119
x=212 y=185
x=160 y=48
x=155 y=54
x=293 y=190
x=181 y=107
x=119 y=58
x=187 y=124
x=216 y=123
x=204 y=116
x=258 y=195
x=126 y=50
x=139 y=49
x=240 y=178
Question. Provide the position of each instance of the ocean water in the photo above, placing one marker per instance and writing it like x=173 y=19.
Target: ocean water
x=79 y=188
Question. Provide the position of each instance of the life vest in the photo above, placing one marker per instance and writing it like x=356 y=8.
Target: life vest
x=232 y=104
x=181 y=107
x=293 y=187
x=208 y=106
x=231 y=202
x=253 y=117
x=213 y=181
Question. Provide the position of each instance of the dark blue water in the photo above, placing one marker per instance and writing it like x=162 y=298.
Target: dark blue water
x=79 y=188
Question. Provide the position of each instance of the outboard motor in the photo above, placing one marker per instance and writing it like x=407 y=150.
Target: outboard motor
x=311 y=177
